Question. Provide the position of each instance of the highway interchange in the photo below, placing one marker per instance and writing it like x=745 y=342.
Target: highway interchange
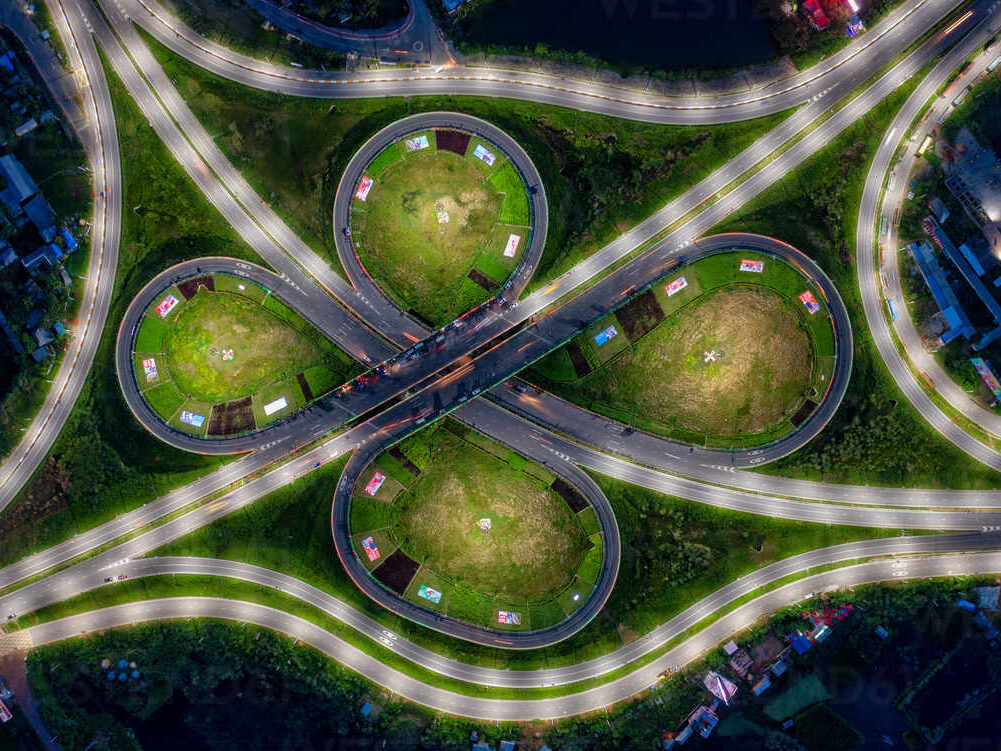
x=554 y=433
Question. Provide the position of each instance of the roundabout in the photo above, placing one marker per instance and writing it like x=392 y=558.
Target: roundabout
x=438 y=212
x=736 y=350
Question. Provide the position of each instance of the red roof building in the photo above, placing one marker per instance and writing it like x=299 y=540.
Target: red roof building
x=813 y=11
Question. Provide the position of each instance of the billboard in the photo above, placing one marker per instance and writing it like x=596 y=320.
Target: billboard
x=810 y=302
x=676 y=286
x=603 y=336
x=373 y=485
x=149 y=368
x=416 y=143
x=429 y=594
x=984 y=369
x=512 y=245
x=5 y=715
x=481 y=153
x=276 y=406
x=190 y=418
x=166 y=305
x=756 y=267
x=364 y=186
x=368 y=544
x=508 y=618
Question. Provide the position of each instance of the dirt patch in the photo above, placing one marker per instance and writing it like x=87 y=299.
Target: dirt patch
x=232 y=417
x=402 y=459
x=575 y=500
x=640 y=315
x=483 y=280
x=581 y=367
x=47 y=495
x=307 y=392
x=397 y=571
x=803 y=412
x=189 y=287
x=451 y=140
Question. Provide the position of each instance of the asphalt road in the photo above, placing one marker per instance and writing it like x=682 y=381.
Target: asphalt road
x=526 y=709
x=100 y=140
x=863 y=56
x=831 y=81
x=885 y=171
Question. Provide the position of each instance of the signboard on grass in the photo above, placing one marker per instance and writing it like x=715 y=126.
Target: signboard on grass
x=484 y=155
x=676 y=286
x=166 y=305
x=5 y=714
x=984 y=369
x=373 y=485
x=276 y=406
x=149 y=368
x=810 y=302
x=417 y=143
x=512 y=245
x=364 y=186
x=190 y=418
x=508 y=618
x=429 y=594
x=756 y=267
x=603 y=336
x=370 y=548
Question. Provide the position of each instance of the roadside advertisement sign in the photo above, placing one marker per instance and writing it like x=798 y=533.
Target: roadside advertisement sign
x=485 y=156
x=364 y=186
x=190 y=418
x=508 y=618
x=276 y=406
x=149 y=368
x=810 y=302
x=755 y=267
x=512 y=245
x=603 y=336
x=676 y=286
x=984 y=369
x=373 y=485
x=166 y=305
x=5 y=715
x=368 y=544
x=429 y=594
x=416 y=143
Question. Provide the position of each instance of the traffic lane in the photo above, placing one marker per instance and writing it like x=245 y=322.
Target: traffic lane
x=615 y=438
x=19 y=466
x=885 y=40
x=622 y=688
x=618 y=658
x=61 y=584
x=866 y=250
x=367 y=452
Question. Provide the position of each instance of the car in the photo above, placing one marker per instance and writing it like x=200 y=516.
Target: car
x=346 y=231
x=107 y=579
x=316 y=464
x=521 y=388
x=366 y=358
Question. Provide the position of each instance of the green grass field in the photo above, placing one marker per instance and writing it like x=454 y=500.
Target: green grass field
x=431 y=217
x=231 y=343
x=734 y=358
x=527 y=561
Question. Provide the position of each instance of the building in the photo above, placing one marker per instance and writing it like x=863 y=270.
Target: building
x=42 y=353
x=41 y=215
x=42 y=336
x=974 y=178
x=14 y=343
x=951 y=312
x=961 y=263
x=7 y=255
x=815 y=14
x=938 y=209
x=18 y=185
x=26 y=127
x=46 y=256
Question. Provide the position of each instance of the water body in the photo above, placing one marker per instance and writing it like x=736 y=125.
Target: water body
x=667 y=34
